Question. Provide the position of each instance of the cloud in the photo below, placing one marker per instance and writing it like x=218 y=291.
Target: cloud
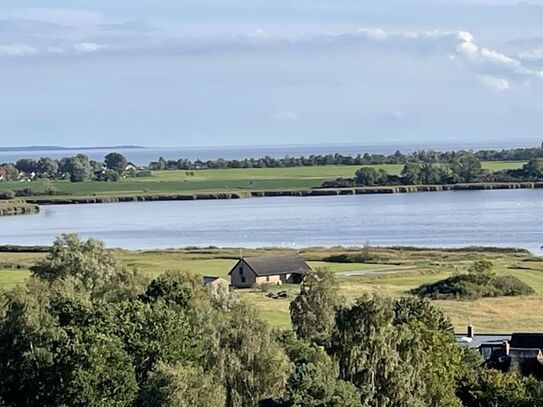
x=136 y=38
x=532 y=55
x=86 y=47
x=286 y=115
x=17 y=50
x=494 y=83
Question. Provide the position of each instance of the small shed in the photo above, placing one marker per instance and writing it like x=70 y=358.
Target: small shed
x=254 y=271
x=215 y=283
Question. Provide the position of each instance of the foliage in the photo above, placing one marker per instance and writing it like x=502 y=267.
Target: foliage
x=313 y=311
x=181 y=385
x=116 y=162
x=473 y=285
x=396 y=352
x=252 y=366
x=92 y=268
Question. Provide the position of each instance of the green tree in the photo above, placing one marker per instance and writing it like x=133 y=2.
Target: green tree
x=466 y=167
x=94 y=269
x=411 y=174
x=313 y=310
x=47 y=167
x=26 y=165
x=397 y=352
x=368 y=176
x=534 y=168
x=78 y=168
x=181 y=385
x=314 y=379
x=480 y=267
x=253 y=365
x=116 y=162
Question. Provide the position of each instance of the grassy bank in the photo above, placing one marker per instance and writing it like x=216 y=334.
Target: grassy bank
x=242 y=181
x=392 y=272
x=17 y=207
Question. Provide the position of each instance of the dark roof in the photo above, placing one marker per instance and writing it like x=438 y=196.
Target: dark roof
x=482 y=339
x=273 y=265
x=527 y=340
x=209 y=279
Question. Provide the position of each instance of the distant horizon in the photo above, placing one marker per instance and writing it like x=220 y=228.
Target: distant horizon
x=444 y=143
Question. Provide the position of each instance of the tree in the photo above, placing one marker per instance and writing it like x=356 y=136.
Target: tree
x=411 y=174
x=253 y=365
x=466 y=167
x=93 y=268
x=397 y=352
x=181 y=385
x=314 y=379
x=534 y=168
x=47 y=167
x=313 y=310
x=368 y=176
x=480 y=267
x=26 y=165
x=51 y=353
x=78 y=168
x=11 y=172
x=116 y=161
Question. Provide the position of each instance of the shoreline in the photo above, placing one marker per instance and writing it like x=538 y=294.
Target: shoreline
x=19 y=207
x=278 y=193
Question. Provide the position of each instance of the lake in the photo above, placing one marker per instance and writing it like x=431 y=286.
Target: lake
x=511 y=218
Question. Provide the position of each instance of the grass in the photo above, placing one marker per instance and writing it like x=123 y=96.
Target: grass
x=487 y=315
x=224 y=180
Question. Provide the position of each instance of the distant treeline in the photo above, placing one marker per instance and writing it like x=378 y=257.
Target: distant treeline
x=76 y=169
x=463 y=168
x=423 y=156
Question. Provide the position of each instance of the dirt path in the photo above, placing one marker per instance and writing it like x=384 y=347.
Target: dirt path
x=374 y=272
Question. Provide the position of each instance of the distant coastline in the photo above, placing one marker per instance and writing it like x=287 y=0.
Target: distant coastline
x=60 y=148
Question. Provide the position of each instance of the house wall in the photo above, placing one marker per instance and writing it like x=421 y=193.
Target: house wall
x=242 y=276
x=269 y=280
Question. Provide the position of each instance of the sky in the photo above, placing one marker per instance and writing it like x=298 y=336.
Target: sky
x=255 y=72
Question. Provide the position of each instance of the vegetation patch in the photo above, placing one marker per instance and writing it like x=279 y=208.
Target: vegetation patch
x=478 y=282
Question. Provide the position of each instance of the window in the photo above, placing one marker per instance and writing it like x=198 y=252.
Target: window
x=240 y=270
x=267 y=278
x=242 y=279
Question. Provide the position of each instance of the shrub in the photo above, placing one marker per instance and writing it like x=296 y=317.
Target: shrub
x=7 y=194
x=473 y=286
x=24 y=192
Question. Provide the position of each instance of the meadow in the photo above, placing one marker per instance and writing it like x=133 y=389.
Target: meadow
x=219 y=180
x=392 y=272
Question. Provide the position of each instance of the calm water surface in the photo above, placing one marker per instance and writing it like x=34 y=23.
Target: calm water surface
x=461 y=218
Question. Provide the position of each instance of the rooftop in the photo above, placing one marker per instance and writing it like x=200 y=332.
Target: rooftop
x=273 y=265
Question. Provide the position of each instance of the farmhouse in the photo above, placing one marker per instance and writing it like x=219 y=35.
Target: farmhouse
x=253 y=271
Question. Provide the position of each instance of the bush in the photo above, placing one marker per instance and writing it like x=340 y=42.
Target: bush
x=473 y=286
x=7 y=194
x=24 y=192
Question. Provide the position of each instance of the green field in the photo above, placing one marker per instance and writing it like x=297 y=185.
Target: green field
x=226 y=180
x=393 y=273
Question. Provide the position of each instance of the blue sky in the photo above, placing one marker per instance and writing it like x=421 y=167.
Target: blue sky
x=199 y=72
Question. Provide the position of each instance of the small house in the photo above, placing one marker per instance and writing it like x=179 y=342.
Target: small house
x=215 y=283
x=254 y=271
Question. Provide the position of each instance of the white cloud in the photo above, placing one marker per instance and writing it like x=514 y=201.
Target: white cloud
x=495 y=83
x=17 y=50
x=531 y=55
x=286 y=115
x=87 y=47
